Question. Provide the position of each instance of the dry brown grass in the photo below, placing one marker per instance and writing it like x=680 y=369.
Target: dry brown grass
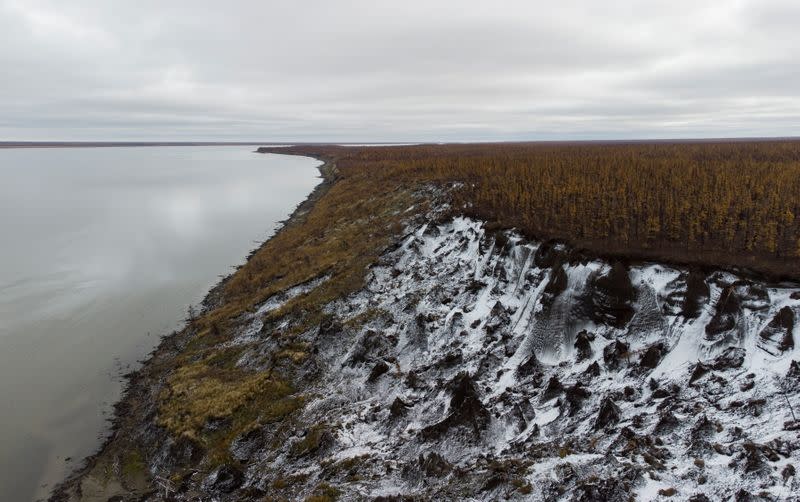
x=348 y=228
x=198 y=392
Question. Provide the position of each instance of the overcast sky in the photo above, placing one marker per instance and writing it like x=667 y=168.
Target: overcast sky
x=400 y=70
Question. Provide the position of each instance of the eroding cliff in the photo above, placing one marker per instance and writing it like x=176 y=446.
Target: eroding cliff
x=475 y=364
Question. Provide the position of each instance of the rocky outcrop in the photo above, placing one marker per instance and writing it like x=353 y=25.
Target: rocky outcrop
x=608 y=414
x=778 y=336
x=466 y=409
x=610 y=296
x=583 y=345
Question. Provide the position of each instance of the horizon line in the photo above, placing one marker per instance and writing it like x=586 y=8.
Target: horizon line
x=137 y=143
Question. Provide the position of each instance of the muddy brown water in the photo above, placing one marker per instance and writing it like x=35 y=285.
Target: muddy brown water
x=101 y=252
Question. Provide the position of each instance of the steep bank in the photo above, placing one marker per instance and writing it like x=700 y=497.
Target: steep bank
x=381 y=345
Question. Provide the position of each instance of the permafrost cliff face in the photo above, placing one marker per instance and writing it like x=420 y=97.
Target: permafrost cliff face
x=477 y=366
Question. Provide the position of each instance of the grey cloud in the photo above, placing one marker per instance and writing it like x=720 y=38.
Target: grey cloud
x=406 y=71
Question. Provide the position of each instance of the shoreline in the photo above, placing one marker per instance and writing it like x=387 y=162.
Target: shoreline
x=135 y=379
x=195 y=465
x=328 y=175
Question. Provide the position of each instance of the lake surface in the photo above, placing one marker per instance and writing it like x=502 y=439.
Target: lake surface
x=101 y=252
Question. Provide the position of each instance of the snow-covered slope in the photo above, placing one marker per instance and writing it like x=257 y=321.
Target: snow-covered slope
x=480 y=366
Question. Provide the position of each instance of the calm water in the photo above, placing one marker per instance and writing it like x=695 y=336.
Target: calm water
x=101 y=251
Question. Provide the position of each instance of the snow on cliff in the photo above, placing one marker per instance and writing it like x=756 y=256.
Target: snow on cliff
x=478 y=366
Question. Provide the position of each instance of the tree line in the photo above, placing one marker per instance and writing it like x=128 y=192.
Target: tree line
x=726 y=202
